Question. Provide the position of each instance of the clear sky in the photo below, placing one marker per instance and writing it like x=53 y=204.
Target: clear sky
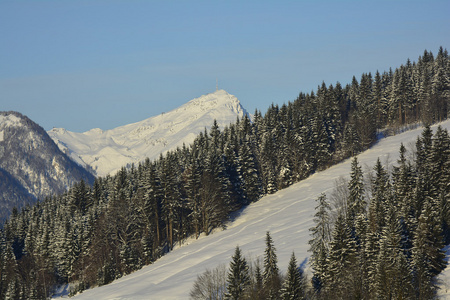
x=87 y=64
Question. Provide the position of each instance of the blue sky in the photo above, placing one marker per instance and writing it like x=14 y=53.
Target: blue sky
x=87 y=64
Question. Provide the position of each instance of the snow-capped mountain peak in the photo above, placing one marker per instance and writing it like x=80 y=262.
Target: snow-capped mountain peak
x=106 y=151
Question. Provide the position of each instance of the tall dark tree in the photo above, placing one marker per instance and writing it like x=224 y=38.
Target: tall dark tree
x=238 y=279
x=293 y=285
x=271 y=274
x=356 y=200
x=319 y=244
x=341 y=261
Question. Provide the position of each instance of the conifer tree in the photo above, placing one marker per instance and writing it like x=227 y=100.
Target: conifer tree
x=271 y=274
x=238 y=278
x=258 y=284
x=380 y=197
x=321 y=235
x=392 y=279
x=402 y=182
x=341 y=261
x=293 y=285
x=440 y=176
x=356 y=202
x=248 y=171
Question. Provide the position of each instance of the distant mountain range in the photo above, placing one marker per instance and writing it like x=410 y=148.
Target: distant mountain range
x=31 y=165
x=107 y=151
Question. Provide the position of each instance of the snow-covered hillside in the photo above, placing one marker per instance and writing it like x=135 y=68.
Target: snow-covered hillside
x=107 y=151
x=288 y=215
x=32 y=167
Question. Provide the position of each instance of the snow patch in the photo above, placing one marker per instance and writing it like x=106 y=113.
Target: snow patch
x=10 y=120
x=2 y=136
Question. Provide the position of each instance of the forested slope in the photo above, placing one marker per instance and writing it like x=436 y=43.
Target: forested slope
x=287 y=214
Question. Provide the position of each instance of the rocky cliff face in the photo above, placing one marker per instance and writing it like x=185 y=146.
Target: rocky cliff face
x=31 y=165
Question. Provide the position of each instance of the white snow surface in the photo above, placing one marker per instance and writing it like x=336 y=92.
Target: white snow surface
x=107 y=151
x=287 y=214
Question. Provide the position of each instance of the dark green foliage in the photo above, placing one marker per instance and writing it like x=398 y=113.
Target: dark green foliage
x=356 y=202
x=293 y=287
x=271 y=274
x=319 y=244
x=238 y=279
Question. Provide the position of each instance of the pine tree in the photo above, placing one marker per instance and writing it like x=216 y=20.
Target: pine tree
x=356 y=202
x=192 y=177
x=380 y=197
x=248 y=171
x=393 y=275
x=341 y=262
x=428 y=257
x=258 y=284
x=402 y=183
x=238 y=278
x=293 y=285
x=440 y=177
x=271 y=274
x=365 y=113
x=321 y=236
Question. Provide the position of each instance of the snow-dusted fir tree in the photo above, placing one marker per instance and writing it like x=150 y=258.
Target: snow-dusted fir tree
x=380 y=197
x=248 y=171
x=402 y=181
x=440 y=166
x=271 y=274
x=293 y=285
x=341 y=261
x=392 y=278
x=238 y=279
x=356 y=201
x=321 y=236
x=428 y=257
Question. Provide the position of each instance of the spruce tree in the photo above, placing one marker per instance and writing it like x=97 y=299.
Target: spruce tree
x=238 y=278
x=341 y=261
x=428 y=256
x=321 y=235
x=380 y=196
x=356 y=201
x=271 y=274
x=248 y=171
x=402 y=182
x=392 y=279
x=293 y=286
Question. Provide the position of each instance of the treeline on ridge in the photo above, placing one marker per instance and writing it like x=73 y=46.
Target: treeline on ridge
x=90 y=236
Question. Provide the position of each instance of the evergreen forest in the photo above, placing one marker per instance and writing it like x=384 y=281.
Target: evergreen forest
x=92 y=235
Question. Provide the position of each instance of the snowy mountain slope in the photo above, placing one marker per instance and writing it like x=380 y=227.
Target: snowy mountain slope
x=108 y=151
x=31 y=166
x=288 y=215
